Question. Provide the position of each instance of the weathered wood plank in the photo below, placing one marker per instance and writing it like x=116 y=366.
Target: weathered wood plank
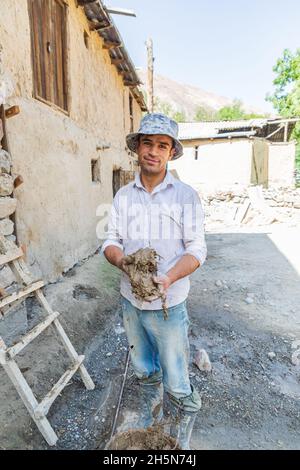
x=89 y=384
x=111 y=45
x=21 y=294
x=14 y=350
x=12 y=111
x=47 y=401
x=8 y=257
x=21 y=272
x=117 y=61
x=2 y=352
x=29 y=400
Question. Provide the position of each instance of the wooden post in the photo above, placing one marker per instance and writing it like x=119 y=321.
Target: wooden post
x=4 y=139
x=285 y=131
x=29 y=400
x=150 y=93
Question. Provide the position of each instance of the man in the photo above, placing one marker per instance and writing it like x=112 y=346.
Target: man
x=159 y=211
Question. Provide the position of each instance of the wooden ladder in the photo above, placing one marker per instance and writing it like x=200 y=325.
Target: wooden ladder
x=11 y=255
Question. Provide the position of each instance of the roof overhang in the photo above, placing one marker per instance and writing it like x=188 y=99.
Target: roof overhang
x=274 y=130
x=100 y=20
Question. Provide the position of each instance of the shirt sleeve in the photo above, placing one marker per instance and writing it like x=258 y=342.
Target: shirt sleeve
x=113 y=231
x=193 y=228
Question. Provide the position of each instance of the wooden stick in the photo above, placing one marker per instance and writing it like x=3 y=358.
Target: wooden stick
x=21 y=294
x=8 y=257
x=13 y=350
x=2 y=352
x=5 y=311
x=29 y=400
x=44 y=406
x=20 y=270
x=12 y=111
x=3 y=293
x=117 y=61
x=89 y=384
x=111 y=45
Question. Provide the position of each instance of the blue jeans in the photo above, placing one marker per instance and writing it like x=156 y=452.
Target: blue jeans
x=160 y=347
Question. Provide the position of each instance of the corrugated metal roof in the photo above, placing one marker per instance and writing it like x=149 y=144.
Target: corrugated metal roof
x=211 y=128
x=100 y=20
x=262 y=127
x=222 y=135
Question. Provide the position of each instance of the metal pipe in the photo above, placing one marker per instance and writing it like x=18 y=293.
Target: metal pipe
x=121 y=392
x=120 y=11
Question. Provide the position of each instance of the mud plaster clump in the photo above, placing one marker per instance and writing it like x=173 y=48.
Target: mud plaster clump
x=143 y=439
x=141 y=266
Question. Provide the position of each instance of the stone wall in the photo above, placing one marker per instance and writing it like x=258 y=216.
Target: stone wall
x=7 y=202
x=7 y=206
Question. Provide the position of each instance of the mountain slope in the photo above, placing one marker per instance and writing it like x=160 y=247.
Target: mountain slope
x=187 y=98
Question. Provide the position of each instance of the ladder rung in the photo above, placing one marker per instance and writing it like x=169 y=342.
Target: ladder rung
x=23 y=293
x=11 y=256
x=43 y=408
x=2 y=352
x=14 y=350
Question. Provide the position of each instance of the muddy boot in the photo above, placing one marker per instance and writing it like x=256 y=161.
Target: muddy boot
x=151 y=412
x=183 y=414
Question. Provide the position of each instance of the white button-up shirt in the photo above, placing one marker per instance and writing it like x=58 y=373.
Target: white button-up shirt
x=169 y=220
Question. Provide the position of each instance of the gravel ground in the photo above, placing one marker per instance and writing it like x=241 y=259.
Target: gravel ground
x=251 y=399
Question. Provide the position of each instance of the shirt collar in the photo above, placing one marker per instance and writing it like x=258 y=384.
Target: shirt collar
x=168 y=180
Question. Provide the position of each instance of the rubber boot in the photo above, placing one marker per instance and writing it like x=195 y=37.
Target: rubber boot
x=151 y=412
x=181 y=428
x=183 y=414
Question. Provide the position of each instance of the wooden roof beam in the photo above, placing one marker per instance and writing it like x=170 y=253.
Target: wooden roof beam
x=111 y=45
x=117 y=61
x=81 y=3
x=103 y=28
x=274 y=132
x=130 y=83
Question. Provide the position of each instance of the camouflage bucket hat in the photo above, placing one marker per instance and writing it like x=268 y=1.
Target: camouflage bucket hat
x=153 y=124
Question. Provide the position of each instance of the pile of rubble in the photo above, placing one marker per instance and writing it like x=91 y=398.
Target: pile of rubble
x=275 y=197
x=253 y=205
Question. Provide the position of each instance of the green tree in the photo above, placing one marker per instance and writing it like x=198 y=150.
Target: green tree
x=179 y=116
x=255 y=116
x=286 y=98
x=235 y=112
x=166 y=108
x=162 y=107
x=205 y=114
x=232 y=112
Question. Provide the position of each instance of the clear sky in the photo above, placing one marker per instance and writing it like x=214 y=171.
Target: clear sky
x=228 y=47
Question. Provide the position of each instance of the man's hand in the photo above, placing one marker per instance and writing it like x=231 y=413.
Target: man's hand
x=116 y=257
x=163 y=282
x=123 y=264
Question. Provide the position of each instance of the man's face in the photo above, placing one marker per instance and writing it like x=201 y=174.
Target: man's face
x=154 y=151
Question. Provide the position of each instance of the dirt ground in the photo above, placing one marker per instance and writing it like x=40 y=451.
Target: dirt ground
x=243 y=305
